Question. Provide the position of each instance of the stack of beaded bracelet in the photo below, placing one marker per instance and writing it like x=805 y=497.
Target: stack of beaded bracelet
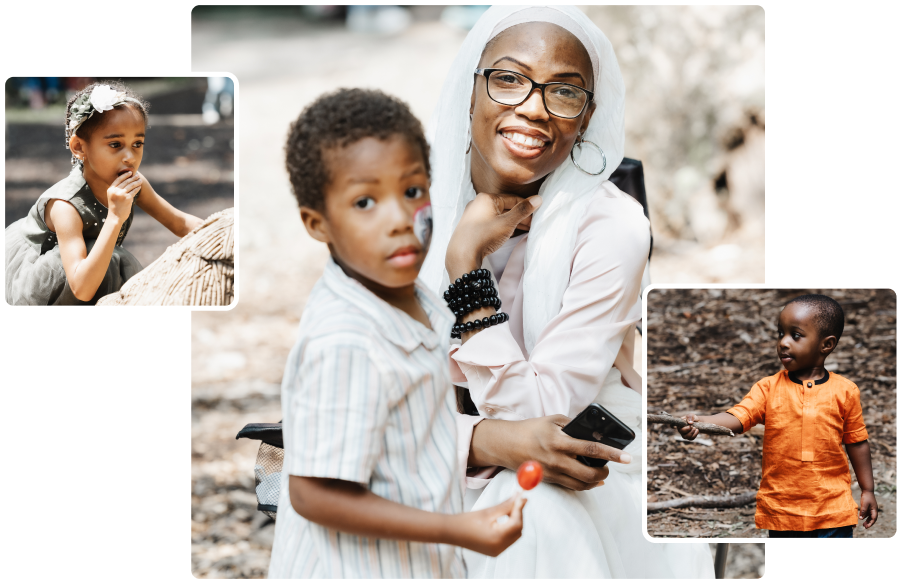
x=478 y=324
x=471 y=292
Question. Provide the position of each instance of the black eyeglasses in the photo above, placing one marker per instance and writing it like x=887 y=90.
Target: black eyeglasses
x=511 y=88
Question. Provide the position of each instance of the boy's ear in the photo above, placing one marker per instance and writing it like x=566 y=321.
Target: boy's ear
x=828 y=344
x=315 y=224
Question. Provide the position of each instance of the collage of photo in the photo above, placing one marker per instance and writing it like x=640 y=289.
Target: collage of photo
x=501 y=308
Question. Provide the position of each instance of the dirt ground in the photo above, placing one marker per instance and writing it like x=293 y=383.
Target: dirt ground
x=706 y=348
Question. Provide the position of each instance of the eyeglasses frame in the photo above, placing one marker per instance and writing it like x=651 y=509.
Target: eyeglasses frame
x=541 y=86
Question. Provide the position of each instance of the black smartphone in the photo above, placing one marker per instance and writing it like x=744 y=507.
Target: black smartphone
x=599 y=425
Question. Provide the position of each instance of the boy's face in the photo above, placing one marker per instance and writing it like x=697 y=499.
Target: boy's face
x=799 y=342
x=376 y=187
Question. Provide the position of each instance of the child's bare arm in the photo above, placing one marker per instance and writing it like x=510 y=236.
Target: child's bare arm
x=351 y=508
x=178 y=222
x=724 y=419
x=84 y=271
x=860 y=456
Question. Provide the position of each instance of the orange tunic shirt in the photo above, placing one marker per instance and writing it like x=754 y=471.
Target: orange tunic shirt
x=805 y=479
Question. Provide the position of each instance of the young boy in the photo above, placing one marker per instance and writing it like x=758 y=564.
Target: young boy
x=370 y=484
x=807 y=413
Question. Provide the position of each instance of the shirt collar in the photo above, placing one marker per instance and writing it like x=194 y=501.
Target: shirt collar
x=823 y=379
x=394 y=324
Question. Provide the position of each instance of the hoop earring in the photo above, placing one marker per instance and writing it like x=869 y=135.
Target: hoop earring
x=579 y=144
x=469 y=137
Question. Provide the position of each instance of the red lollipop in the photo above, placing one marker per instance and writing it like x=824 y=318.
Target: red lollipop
x=529 y=475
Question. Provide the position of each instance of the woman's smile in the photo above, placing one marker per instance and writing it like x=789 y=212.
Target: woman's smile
x=524 y=142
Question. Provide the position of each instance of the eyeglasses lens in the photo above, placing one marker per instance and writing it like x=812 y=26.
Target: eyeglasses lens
x=561 y=100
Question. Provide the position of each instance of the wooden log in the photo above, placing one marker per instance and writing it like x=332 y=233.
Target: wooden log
x=739 y=500
x=710 y=429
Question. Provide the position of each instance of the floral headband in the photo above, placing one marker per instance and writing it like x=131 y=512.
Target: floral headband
x=102 y=98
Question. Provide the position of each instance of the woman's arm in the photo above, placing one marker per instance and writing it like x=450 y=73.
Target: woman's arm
x=351 y=508
x=576 y=350
x=178 y=222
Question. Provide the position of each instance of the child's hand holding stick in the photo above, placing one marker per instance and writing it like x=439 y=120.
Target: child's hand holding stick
x=689 y=426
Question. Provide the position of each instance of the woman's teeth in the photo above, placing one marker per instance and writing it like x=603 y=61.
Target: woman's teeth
x=522 y=139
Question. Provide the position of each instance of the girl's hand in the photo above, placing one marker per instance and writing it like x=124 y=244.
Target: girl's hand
x=487 y=222
x=868 y=509
x=480 y=531
x=121 y=194
x=689 y=432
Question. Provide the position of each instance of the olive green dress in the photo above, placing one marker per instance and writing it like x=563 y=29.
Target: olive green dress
x=34 y=268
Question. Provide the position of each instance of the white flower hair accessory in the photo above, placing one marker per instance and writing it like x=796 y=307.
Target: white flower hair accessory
x=102 y=98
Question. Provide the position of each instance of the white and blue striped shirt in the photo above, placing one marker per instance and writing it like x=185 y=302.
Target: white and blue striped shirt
x=366 y=397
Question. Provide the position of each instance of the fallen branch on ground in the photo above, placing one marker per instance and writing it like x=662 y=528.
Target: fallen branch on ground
x=739 y=500
x=710 y=429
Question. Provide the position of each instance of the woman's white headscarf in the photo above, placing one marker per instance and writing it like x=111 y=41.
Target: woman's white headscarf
x=565 y=192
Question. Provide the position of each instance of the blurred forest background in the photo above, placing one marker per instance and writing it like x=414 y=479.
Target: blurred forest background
x=189 y=149
x=706 y=349
x=695 y=117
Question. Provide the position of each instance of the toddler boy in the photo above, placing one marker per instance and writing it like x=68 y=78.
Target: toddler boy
x=370 y=485
x=807 y=413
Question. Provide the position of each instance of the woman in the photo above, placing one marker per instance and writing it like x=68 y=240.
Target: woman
x=568 y=250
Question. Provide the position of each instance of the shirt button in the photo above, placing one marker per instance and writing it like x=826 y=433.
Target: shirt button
x=809 y=384
x=490 y=410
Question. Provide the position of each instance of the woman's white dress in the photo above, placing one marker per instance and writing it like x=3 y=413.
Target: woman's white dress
x=578 y=359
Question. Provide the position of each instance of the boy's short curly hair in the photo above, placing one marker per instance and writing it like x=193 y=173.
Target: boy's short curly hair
x=336 y=120
x=828 y=314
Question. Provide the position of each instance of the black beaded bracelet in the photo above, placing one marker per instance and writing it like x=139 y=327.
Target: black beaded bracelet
x=478 y=324
x=471 y=292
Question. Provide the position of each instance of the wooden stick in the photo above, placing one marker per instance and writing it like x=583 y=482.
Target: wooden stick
x=711 y=429
x=739 y=500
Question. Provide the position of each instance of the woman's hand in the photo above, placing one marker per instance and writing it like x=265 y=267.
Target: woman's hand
x=509 y=444
x=487 y=222
x=481 y=532
x=122 y=193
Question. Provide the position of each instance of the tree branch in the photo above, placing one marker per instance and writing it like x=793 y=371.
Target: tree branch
x=739 y=500
x=665 y=418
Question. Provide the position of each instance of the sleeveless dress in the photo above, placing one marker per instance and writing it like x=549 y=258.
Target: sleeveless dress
x=34 y=267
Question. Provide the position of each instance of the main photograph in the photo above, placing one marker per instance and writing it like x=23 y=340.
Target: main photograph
x=525 y=150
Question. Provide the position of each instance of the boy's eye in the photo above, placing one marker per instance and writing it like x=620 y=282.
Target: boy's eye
x=138 y=144
x=796 y=336
x=114 y=144
x=414 y=193
x=364 y=203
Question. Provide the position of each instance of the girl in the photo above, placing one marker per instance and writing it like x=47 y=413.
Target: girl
x=68 y=250
x=532 y=113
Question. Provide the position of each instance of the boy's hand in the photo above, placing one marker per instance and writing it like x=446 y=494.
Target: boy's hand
x=689 y=432
x=481 y=532
x=868 y=509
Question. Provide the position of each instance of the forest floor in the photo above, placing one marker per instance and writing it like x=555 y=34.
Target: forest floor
x=706 y=348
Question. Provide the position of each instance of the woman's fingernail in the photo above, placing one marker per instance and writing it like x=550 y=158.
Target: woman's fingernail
x=536 y=201
x=625 y=458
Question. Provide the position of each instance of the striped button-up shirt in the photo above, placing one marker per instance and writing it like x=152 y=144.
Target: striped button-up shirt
x=366 y=397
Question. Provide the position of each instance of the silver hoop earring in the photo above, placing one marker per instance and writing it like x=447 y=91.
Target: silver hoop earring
x=469 y=137
x=579 y=144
